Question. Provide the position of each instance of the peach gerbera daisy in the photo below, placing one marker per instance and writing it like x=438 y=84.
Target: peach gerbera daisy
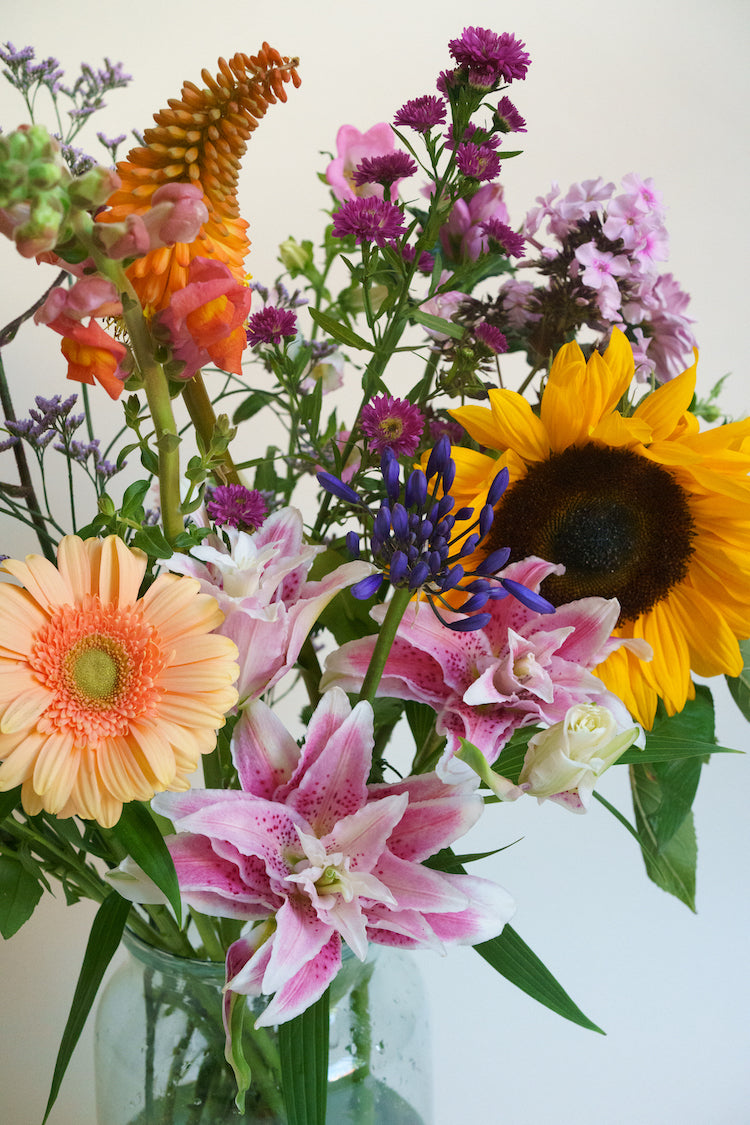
x=643 y=507
x=106 y=697
x=200 y=138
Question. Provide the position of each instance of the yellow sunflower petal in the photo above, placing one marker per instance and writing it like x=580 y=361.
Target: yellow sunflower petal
x=663 y=409
x=517 y=427
x=479 y=423
x=621 y=367
x=714 y=649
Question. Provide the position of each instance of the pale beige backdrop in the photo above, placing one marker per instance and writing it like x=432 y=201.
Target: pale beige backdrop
x=660 y=89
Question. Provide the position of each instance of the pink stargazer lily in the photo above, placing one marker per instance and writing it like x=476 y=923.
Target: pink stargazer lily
x=522 y=669
x=262 y=588
x=309 y=854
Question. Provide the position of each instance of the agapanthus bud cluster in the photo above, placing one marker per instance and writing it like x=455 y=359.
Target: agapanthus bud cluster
x=417 y=541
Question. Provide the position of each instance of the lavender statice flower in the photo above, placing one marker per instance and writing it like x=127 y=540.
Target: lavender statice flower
x=392 y=423
x=421 y=114
x=415 y=544
x=233 y=505
x=269 y=325
x=385 y=169
x=369 y=219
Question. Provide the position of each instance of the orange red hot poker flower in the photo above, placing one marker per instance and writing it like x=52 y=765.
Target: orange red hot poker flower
x=200 y=138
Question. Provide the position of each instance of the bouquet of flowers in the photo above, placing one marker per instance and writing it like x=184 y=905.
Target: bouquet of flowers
x=459 y=594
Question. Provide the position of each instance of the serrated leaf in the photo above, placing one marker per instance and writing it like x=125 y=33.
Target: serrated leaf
x=437 y=323
x=510 y=956
x=303 y=1052
x=104 y=939
x=739 y=686
x=136 y=831
x=341 y=332
x=20 y=891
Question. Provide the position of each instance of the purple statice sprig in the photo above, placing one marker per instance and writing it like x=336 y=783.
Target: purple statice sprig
x=414 y=544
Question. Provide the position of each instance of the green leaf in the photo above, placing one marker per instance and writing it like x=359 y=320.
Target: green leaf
x=511 y=957
x=510 y=762
x=421 y=720
x=673 y=868
x=663 y=794
x=338 y=331
x=451 y=864
x=104 y=939
x=303 y=1050
x=251 y=405
x=664 y=749
x=20 y=891
x=234 y=1052
x=9 y=801
x=739 y=686
x=437 y=323
x=137 y=832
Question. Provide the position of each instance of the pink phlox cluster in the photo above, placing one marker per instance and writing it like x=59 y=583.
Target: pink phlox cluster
x=261 y=584
x=308 y=855
x=522 y=669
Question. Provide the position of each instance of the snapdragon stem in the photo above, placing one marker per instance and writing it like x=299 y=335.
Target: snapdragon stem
x=396 y=609
x=202 y=415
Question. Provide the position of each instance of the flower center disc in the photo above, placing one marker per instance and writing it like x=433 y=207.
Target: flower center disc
x=95 y=668
x=619 y=523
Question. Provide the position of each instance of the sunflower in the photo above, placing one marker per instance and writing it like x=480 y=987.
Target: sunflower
x=106 y=697
x=200 y=139
x=641 y=507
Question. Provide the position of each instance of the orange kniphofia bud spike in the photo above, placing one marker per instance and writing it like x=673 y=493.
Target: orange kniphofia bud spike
x=200 y=138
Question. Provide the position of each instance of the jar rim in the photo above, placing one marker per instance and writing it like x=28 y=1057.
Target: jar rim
x=168 y=962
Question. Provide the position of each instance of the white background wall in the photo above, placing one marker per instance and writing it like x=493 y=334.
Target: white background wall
x=660 y=89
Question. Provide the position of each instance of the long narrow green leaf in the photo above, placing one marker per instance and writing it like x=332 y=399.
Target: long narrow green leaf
x=510 y=956
x=437 y=323
x=341 y=332
x=666 y=749
x=303 y=1049
x=103 y=941
x=137 y=832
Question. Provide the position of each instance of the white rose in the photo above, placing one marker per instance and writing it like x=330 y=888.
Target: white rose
x=565 y=761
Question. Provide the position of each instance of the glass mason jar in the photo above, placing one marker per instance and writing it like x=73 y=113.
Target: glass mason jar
x=160 y=1045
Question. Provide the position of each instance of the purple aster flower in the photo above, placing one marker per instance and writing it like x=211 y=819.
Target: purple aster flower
x=492 y=338
x=426 y=262
x=421 y=114
x=233 y=505
x=370 y=219
x=513 y=244
x=385 y=169
x=478 y=162
x=499 y=58
x=472 y=133
x=508 y=118
x=269 y=325
x=392 y=423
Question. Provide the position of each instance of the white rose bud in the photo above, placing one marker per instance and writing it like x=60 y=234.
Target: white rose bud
x=565 y=761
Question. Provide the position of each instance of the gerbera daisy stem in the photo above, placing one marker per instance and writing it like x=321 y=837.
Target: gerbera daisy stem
x=202 y=415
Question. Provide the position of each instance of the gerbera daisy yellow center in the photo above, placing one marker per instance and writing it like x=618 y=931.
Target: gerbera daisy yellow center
x=96 y=668
x=620 y=524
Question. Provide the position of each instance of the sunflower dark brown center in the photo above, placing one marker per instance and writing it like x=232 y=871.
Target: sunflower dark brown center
x=620 y=524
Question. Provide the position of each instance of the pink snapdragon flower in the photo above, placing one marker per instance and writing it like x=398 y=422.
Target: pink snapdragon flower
x=262 y=588
x=321 y=857
x=522 y=669
x=176 y=214
x=462 y=236
x=204 y=321
x=351 y=148
x=88 y=296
